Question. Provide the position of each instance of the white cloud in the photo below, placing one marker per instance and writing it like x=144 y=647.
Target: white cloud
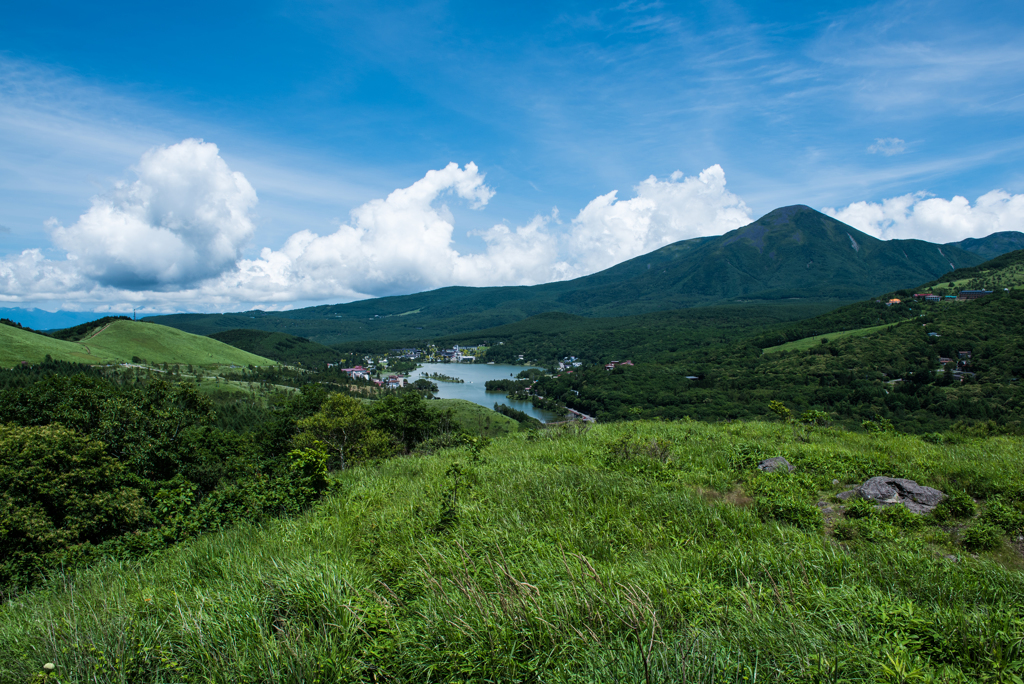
x=185 y=219
x=888 y=146
x=394 y=245
x=935 y=219
x=403 y=243
x=31 y=276
x=172 y=239
x=608 y=231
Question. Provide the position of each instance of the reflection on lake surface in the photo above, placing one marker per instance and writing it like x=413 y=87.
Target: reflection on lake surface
x=475 y=375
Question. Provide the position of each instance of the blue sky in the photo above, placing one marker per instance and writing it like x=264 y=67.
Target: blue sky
x=883 y=114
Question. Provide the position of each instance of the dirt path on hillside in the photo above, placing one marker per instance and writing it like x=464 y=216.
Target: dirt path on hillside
x=82 y=342
x=97 y=332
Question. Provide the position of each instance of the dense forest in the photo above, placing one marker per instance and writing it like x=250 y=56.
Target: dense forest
x=280 y=347
x=893 y=375
x=97 y=463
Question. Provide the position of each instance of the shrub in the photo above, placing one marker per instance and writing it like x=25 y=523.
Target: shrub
x=844 y=530
x=59 y=490
x=816 y=417
x=791 y=510
x=859 y=508
x=899 y=516
x=780 y=409
x=1000 y=514
x=957 y=505
x=883 y=425
x=981 y=537
x=873 y=529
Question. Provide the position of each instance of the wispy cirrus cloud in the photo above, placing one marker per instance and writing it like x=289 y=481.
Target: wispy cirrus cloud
x=888 y=146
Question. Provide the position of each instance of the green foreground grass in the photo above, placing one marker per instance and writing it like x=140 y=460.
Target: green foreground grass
x=120 y=342
x=809 y=342
x=629 y=552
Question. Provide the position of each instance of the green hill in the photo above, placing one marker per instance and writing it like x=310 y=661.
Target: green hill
x=122 y=341
x=17 y=345
x=635 y=552
x=793 y=254
x=476 y=419
x=279 y=346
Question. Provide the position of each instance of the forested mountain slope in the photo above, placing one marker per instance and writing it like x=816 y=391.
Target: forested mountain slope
x=791 y=254
x=279 y=347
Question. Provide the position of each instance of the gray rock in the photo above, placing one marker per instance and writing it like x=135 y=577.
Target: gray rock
x=889 y=491
x=849 y=494
x=835 y=482
x=772 y=464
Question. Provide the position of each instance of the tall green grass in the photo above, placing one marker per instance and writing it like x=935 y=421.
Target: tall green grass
x=629 y=552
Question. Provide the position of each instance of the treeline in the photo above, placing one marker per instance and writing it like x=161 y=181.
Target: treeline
x=94 y=466
x=78 y=332
x=523 y=418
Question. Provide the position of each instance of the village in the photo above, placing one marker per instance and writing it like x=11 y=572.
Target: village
x=963 y=296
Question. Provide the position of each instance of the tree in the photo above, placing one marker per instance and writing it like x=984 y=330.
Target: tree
x=409 y=419
x=59 y=490
x=343 y=429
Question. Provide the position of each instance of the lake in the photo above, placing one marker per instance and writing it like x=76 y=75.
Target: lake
x=475 y=375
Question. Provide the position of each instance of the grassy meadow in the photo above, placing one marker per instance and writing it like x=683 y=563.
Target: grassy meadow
x=639 y=552
x=809 y=342
x=18 y=345
x=160 y=344
x=120 y=342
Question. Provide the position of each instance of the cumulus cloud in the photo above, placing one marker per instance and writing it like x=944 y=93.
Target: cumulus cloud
x=172 y=238
x=399 y=244
x=888 y=146
x=608 y=231
x=184 y=220
x=933 y=218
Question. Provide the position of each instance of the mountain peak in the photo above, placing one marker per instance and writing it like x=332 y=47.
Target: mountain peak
x=785 y=214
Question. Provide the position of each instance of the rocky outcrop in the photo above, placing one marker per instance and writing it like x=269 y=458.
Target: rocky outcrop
x=889 y=491
x=772 y=464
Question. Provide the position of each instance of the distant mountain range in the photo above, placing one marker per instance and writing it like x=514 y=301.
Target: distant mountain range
x=38 y=319
x=791 y=254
